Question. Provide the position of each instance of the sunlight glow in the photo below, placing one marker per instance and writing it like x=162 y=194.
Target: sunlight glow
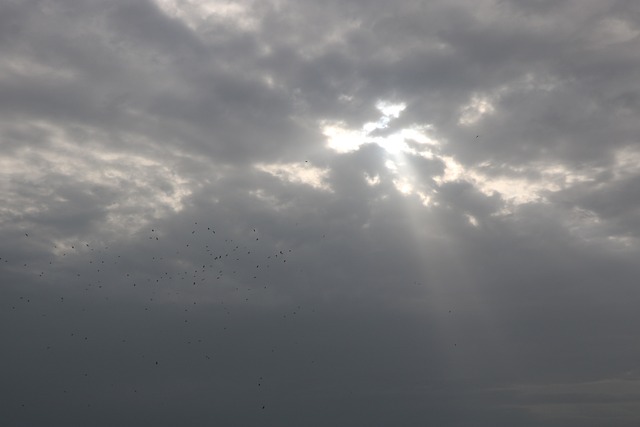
x=343 y=140
x=403 y=186
x=391 y=110
x=411 y=140
x=515 y=185
x=375 y=180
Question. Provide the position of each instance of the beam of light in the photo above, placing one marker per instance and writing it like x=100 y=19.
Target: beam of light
x=412 y=140
x=428 y=219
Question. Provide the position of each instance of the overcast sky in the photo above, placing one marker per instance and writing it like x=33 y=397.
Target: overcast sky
x=302 y=213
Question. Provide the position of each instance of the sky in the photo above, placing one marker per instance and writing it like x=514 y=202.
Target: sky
x=301 y=213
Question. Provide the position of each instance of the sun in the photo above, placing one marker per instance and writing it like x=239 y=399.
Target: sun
x=343 y=140
x=413 y=140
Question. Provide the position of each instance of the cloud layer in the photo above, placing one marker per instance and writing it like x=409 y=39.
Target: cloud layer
x=302 y=213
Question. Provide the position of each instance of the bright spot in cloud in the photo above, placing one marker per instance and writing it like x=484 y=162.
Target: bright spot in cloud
x=391 y=110
x=372 y=180
x=298 y=173
x=196 y=12
x=477 y=108
x=413 y=140
x=393 y=144
x=516 y=187
x=403 y=185
x=452 y=171
x=391 y=165
x=343 y=140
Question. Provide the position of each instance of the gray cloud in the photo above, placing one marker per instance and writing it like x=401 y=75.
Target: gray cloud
x=347 y=213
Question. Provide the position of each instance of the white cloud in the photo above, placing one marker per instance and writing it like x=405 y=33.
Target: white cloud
x=475 y=110
x=196 y=13
x=143 y=188
x=298 y=173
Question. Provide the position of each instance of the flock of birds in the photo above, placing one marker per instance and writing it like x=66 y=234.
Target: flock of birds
x=184 y=271
x=195 y=281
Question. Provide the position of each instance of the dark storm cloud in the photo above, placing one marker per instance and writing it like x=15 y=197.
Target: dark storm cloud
x=181 y=246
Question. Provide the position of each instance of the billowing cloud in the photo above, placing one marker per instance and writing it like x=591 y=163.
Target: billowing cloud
x=303 y=213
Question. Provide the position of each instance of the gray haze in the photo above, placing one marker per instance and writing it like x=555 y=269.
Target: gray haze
x=302 y=213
